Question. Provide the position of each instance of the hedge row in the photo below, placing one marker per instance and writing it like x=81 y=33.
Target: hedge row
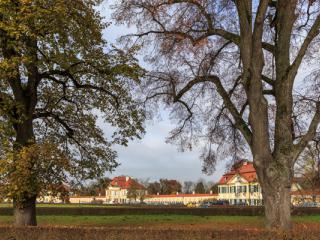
x=52 y=233
x=227 y=211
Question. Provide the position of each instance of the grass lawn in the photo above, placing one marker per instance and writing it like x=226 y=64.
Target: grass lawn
x=136 y=219
x=161 y=220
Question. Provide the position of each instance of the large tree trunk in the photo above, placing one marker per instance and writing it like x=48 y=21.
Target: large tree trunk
x=25 y=212
x=275 y=177
x=277 y=202
x=25 y=209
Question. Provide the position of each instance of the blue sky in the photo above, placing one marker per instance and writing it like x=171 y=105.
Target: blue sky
x=151 y=157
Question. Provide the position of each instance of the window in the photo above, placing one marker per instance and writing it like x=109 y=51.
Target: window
x=244 y=189
x=223 y=189
x=254 y=188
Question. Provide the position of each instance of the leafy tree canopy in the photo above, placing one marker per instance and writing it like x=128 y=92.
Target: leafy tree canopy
x=58 y=76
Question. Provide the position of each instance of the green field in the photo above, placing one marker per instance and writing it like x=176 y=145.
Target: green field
x=252 y=221
x=134 y=219
x=185 y=219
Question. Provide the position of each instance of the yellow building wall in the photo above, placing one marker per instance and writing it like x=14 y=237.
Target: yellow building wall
x=179 y=199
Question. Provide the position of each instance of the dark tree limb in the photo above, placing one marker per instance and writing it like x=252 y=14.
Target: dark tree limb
x=239 y=121
x=70 y=131
x=311 y=133
x=69 y=75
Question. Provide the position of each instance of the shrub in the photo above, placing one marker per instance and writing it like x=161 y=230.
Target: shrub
x=148 y=210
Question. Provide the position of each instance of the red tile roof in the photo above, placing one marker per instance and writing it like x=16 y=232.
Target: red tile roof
x=244 y=168
x=181 y=195
x=125 y=182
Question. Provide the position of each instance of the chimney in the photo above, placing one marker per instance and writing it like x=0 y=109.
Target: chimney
x=193 y=192
x=127 y=179
x=211 y=192
x=158 y=193
x=177 y=193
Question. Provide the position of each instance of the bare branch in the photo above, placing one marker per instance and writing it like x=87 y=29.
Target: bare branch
x=240 y=124
x=310 y=133
x=66 y=73
x=313 y=33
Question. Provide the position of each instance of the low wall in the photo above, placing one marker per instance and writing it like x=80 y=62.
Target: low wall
x=87 y=200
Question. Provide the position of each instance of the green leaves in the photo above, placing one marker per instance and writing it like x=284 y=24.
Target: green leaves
x=58 y=72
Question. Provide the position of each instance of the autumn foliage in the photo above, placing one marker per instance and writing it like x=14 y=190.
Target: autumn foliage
x=34 y=169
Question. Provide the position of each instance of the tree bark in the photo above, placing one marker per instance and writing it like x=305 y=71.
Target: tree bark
x=25 y=212
x=277 y=202
x=275 y=177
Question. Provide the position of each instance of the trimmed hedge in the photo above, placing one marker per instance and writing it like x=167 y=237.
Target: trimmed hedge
x=98 y=211
x=53 y=233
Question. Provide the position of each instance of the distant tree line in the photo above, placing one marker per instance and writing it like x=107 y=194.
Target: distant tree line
x=93 y=188
x=166 y=186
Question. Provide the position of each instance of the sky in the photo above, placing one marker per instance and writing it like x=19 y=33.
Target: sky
x=151 y=158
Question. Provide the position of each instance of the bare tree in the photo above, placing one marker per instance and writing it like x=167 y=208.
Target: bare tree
x=228 y=70
x=307 y=168
x=188 y=187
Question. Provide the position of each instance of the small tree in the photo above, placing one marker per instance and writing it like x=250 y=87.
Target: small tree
x=200 y=188
x=58 y=76
x=188 y=187
x=214 y=188
x=154 y=188
x=308 y=168
x=170 y=186
x=135 y=191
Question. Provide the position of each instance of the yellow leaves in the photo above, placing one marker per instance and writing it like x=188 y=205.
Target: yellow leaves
x=26 y=1
x=33 y=169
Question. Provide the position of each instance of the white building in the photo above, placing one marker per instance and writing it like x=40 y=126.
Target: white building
x=179 y=199
x=124 y=190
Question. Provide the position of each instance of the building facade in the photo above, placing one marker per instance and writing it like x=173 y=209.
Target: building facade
x=123 y=190
x=87 y=200
x=240 y=185
x=299 y=197
x=182 y=199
